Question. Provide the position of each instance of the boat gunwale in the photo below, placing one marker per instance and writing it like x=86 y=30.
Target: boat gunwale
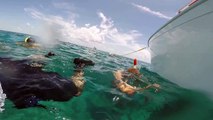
x=176 y=17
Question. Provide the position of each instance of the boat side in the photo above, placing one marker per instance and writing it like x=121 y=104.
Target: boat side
x=182 y=49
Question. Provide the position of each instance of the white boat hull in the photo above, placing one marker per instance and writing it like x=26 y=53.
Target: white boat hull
x=182 y=50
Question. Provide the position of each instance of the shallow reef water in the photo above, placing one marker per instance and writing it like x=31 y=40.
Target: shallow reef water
x=100 y=99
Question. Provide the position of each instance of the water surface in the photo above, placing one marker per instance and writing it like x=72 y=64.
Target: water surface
x=100 y=100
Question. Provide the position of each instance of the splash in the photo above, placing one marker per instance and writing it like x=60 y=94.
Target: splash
x=48 y=35
x=2 y=99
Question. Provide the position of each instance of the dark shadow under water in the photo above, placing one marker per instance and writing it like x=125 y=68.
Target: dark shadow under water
x=26 y=85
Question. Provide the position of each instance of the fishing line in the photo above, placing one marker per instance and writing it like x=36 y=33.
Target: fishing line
x=134 y=51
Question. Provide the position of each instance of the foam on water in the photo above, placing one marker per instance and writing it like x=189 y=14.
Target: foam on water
x=2 y=99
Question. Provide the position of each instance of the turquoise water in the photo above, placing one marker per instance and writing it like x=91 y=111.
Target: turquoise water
x=100 y=100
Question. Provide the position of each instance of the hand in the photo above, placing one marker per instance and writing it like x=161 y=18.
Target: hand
x=156 y=86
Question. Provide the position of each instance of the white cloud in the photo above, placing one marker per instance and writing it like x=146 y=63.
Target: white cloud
x=67 y=8
x=104 y=36
x=34 y=13
x=19 y=29
x=63 y=5
x=148 y=10
x=87 y=25
x=28 y=24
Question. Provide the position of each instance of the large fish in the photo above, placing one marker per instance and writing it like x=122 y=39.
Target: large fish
x=26 y=85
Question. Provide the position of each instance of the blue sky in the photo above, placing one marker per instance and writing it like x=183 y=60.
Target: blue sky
x=116 y=26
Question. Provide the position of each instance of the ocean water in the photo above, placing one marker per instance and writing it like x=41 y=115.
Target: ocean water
x=100 y=100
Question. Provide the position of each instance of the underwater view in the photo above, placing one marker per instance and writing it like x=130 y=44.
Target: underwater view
x=100 y=99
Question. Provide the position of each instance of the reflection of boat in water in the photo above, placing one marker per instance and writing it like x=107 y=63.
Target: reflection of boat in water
x=182 y=49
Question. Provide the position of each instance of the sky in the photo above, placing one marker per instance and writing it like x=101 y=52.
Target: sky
x=115 y=26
